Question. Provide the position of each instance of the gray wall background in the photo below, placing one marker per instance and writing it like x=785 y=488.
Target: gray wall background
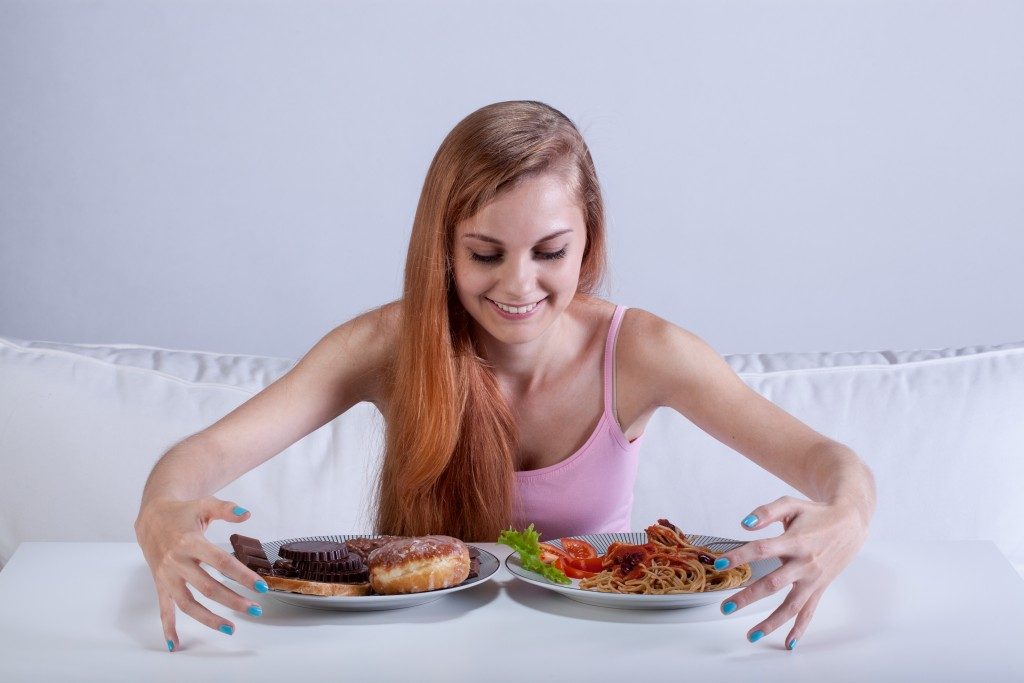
x=242 y=176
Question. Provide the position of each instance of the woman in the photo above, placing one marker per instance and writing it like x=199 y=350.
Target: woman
x=508 y=387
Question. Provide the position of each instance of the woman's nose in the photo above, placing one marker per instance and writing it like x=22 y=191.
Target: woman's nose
x=519 y=277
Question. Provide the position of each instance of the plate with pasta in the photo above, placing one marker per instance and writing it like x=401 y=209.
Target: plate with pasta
x=662 y=568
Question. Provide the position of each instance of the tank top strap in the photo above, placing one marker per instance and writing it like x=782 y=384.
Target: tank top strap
x=609 y=362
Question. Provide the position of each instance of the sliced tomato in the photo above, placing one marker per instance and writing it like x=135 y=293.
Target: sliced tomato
x=574 y=547
x=550 y=553
x=572 y=572
x=589 y=564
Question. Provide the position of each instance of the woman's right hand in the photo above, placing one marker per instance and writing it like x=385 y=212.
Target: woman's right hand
x=170 y=533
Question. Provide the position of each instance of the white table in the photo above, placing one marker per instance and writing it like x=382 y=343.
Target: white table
x=935 y=611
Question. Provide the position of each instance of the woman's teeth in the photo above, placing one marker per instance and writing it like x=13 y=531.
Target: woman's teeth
x=517 y=310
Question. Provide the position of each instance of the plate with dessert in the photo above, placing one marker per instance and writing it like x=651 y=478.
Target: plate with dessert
x=364 y=573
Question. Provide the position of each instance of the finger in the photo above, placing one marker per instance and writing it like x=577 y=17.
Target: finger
x=789 y=608
x=803 y=618
x=230 y=566
x=188 y=604
x=218 y=592
x=767 y=585
x=229 y=511
x=760 y=549
x=167 y=620
x=782 y=510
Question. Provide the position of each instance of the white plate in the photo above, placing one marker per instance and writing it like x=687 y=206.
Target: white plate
x=601 y=542
x=369 y=603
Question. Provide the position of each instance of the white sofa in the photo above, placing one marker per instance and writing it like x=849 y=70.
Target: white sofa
x=82 y=425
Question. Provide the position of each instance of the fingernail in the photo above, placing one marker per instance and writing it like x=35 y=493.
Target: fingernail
x=239 y=510
x=170 y=646
x=729 y=607
x=756 y=635
x=230 y=630
x=261 y=586
x=722 y=562
x=749 y=521
x=256 y=611
x=792 y=644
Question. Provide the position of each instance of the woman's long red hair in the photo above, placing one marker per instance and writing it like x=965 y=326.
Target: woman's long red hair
x=450 y=437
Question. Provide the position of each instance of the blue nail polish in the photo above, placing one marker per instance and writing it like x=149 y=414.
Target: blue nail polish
x=256 y=611
x=261 y=586
x=756 y=636
x=721 y=563
x=792 y=644
x=749 y=521
x=729 y=607
x=230 y=630
x=170 y=646
x=239 y=510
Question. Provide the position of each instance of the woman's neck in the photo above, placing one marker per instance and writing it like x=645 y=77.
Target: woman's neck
x=521 y=368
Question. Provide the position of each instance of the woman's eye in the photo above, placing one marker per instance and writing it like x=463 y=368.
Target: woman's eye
x=491 y=258
x=549 y=255
x=494 y=258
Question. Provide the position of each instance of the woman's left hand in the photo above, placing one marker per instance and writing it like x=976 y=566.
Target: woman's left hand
x=819 y=540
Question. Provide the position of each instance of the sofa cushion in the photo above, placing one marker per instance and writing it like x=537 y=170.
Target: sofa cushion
x=82 y=425
x=943 y=432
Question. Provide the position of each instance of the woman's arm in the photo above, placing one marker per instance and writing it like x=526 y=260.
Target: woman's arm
x=820 y=536
x=681 y=371
x=341 y=370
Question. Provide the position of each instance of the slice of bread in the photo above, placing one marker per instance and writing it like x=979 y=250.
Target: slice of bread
x=316 y=587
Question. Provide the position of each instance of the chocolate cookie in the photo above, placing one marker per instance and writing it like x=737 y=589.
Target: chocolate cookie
x=313 y=551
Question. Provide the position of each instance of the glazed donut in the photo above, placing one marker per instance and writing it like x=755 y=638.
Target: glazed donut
x=415 y=565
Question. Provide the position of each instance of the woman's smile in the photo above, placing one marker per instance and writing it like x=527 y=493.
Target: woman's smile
x=516 y=313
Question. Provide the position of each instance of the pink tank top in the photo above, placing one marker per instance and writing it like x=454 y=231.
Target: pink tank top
x=591 y=491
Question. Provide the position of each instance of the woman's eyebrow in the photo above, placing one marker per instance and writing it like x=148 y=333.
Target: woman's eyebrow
x=492 y=240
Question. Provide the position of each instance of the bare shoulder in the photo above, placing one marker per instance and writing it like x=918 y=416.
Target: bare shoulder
x=644 y=338
x=368 y=339
x=672 y=367
x=343 y=368
x=380 y=323
x=662 y=357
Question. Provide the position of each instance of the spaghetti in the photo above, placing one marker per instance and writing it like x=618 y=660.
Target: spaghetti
x=667 y=563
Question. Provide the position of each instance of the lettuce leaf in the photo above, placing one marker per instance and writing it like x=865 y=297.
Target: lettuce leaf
x=527 y=544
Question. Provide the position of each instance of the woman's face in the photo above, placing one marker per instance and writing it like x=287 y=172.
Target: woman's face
x=521 y=252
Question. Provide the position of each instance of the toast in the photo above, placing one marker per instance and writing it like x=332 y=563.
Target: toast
x=305 y=587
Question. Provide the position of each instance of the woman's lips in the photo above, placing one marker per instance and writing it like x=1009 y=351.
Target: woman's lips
x=516 y=316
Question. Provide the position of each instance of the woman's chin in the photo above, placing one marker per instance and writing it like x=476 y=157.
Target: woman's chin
x=513 y=336
x=517 y=333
